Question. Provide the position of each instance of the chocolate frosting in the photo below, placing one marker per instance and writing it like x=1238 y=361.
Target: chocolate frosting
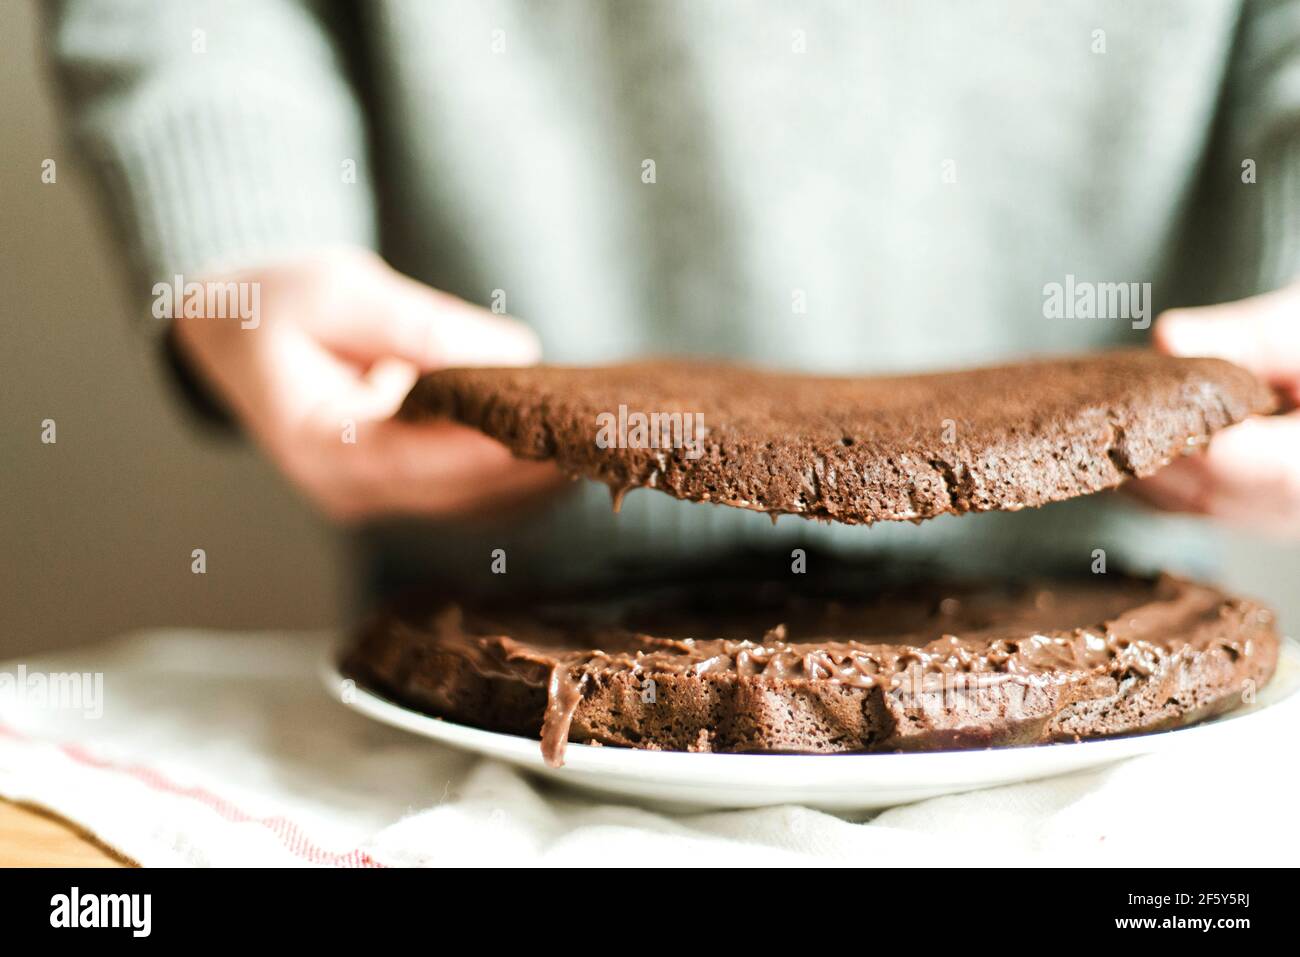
x=1035 y=633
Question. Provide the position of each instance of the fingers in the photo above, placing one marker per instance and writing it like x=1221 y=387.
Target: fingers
x=439 y=470
x=348 y=454
x=461 y=473
x=1261 y=333
x=317 y=383
x=457 y=333
x=338 y=442
x=378 y=392
x=1249 y=475
x=374 y=312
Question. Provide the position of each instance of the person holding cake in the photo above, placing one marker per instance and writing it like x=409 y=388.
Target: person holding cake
x=829 y=188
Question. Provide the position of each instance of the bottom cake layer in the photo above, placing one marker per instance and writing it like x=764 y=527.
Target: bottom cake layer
x=828 y=664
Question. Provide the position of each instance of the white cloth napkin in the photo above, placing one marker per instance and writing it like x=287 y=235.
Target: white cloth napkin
x=224 y=749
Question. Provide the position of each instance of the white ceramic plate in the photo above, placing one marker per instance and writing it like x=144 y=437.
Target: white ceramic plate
x=832 y=782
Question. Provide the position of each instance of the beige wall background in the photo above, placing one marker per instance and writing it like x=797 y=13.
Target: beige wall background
x=97 y=529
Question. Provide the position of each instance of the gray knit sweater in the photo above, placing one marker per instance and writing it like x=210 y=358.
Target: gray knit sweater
x=822 y=185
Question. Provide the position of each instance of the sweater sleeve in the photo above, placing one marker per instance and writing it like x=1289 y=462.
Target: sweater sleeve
x=219 y=134
x=1262 y=136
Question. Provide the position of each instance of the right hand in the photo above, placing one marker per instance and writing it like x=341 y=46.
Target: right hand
x=340 y=339
x=1250 y=473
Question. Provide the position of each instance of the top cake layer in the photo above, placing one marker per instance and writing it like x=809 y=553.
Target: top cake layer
x=855 y=449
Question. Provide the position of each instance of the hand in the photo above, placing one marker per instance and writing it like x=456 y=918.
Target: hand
x=340 y=339
x=1250 y=474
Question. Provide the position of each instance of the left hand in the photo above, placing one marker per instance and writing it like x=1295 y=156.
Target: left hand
x=1250 y=473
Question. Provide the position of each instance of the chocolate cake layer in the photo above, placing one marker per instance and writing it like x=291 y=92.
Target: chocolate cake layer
x=753 y=666
x=859 y=449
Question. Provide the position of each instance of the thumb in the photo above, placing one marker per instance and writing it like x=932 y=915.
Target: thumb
x=1261 y=333
x=393 y=316
x=447 y=331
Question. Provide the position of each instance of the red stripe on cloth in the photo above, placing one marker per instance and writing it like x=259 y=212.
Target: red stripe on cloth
x=286 y=831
